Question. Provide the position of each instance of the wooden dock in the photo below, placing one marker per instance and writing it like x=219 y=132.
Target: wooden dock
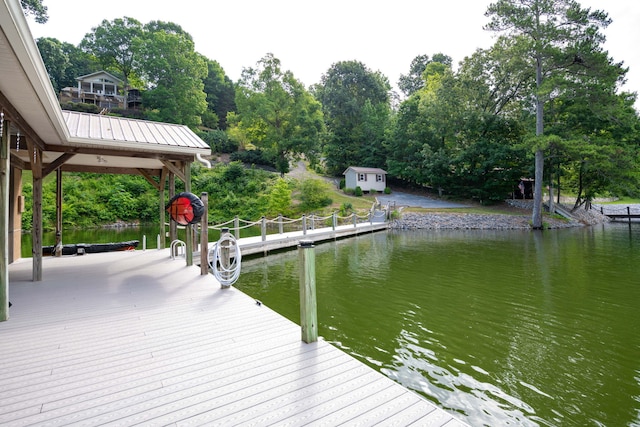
x=136 y=338
x=615 y=212
x=289 y=240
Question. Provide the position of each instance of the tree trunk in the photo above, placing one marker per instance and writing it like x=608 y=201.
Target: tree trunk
x=537 y=189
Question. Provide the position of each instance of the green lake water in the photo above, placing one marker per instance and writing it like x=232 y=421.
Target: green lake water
x=496 y=327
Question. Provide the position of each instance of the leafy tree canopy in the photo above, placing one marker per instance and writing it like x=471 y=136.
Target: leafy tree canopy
x=35 y=8
x=115 y=45
x=412 y=82
x=277 y=113
x=356 y=105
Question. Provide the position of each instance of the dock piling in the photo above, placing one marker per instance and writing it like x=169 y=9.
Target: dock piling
x=308 y=303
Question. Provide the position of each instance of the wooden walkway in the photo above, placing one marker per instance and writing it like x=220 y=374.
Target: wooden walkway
x=289 y=240
x=617 y=212
x=135 y=338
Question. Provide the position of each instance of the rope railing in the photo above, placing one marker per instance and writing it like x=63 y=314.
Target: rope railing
x=304 y=223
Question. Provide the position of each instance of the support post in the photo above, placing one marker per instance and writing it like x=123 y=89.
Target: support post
x=355 y=220
x=308 y=303
x=304 y=224
x=161 y=199
x=629 y=213
x=173 y=227
x=189 y=239
x=280 y=228
x=263 y=228
x=204 y=236
x=58 y=246
x=4 y=219
x=334 y=220
x=36 y=231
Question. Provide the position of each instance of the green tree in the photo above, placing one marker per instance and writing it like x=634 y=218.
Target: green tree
x=35 y=8
x=414 y=80
x=277 y=113
x=64 y=62
x=115 y=44
x=352 y=96
x=55 y=60
x=280 y=198
x=173 y=72
x=314 y=194
x=220 y=93
x=596 y=148
x=454 y=135
x=560 y=38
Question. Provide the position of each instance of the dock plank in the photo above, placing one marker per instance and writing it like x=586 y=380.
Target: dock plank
x=138 y=338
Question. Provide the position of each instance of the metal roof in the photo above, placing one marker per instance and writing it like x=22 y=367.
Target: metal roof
x=120 y=132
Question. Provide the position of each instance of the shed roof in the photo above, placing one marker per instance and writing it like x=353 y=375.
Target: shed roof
x=358 y=169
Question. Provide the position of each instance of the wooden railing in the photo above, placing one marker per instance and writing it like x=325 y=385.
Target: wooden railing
x=620 y=212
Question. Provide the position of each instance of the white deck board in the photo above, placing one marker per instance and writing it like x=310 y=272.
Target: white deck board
x=136 y=338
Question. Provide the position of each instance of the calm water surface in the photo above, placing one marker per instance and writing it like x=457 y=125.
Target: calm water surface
x=499 y=328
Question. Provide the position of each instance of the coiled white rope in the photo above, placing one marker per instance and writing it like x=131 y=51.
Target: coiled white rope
x=225 y=259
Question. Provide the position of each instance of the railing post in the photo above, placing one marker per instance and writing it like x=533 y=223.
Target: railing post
x=371 y=217
x=313 y=221
x=355 y=220
x=304 y=224
x=236 y=226
x=264 y=229
x=280 y=228
x=204 y=236
x=308 y=303
x=334 y=219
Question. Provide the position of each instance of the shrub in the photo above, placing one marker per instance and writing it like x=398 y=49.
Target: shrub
x=314 y=194
x=256 y=157
x=387 y=190
x=358 y=191
x=346 y=208
x=343 y=183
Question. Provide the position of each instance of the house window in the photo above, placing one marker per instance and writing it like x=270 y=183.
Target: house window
x=379 y=178
x=362 y=177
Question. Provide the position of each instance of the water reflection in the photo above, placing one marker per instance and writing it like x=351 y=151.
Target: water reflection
x=501 y=328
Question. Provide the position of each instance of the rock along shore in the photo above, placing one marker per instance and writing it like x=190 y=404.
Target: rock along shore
x=471 y=221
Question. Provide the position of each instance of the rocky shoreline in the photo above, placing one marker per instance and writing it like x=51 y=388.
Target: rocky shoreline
x=472 y=221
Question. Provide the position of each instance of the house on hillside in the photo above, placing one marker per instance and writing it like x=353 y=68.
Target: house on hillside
x=100 y=88
x=368 y=179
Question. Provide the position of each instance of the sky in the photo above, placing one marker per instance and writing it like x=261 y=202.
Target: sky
x=308 y=36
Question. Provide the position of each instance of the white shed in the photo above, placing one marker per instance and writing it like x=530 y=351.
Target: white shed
x=368 y=179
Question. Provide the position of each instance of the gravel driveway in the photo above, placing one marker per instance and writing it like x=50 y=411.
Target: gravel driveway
x=411 y=200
